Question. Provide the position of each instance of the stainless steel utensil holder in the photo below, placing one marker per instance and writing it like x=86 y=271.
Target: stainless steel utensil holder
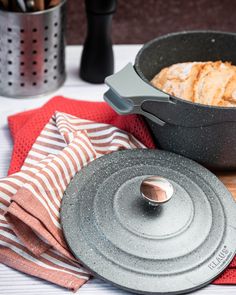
x=32 y=52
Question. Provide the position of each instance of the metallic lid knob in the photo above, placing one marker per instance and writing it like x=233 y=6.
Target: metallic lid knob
x=156 y=190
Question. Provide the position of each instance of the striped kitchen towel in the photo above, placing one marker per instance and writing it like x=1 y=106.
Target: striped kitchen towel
x=25 y=127
x=31 y=238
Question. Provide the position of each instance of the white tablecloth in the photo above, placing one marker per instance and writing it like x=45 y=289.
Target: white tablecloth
x=11 y=281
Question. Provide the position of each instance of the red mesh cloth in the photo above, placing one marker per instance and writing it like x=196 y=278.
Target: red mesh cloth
x=25 y=128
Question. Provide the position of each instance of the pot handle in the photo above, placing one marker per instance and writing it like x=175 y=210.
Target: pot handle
x=128 y=92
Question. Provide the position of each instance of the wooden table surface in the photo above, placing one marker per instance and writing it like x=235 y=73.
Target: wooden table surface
x=229 y=179
x=13 y=282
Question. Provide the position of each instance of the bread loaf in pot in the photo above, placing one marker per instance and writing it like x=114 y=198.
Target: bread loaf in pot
x=210 y=83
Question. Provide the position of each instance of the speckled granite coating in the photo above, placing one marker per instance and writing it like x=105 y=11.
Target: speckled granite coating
x=146 y=249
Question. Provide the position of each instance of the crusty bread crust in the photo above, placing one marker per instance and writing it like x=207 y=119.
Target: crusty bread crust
x=210 y=83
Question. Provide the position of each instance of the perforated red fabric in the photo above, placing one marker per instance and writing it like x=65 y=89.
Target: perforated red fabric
x=25 y=128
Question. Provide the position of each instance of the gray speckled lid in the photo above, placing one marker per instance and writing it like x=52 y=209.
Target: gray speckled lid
x=174 y=248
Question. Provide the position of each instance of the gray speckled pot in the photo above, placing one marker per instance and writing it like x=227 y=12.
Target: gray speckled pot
x=203 y=133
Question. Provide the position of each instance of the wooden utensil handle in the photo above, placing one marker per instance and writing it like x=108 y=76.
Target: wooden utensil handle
x=39 y=5
x=53 y=3
x=4 y=3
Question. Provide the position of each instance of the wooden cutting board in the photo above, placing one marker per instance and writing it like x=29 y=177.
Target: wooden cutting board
x=229 y=180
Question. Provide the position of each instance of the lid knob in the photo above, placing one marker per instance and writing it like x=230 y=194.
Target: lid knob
x=156 y=190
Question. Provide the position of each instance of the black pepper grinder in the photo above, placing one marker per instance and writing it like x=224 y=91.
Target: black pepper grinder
x=97 y=58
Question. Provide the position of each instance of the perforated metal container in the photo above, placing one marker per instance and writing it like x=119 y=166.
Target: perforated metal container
x=32 y=52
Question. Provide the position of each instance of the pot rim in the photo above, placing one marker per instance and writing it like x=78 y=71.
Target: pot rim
x=169 y=35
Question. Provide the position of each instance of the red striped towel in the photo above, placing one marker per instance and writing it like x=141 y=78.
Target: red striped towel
x=31 y=238
x=26 y=127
